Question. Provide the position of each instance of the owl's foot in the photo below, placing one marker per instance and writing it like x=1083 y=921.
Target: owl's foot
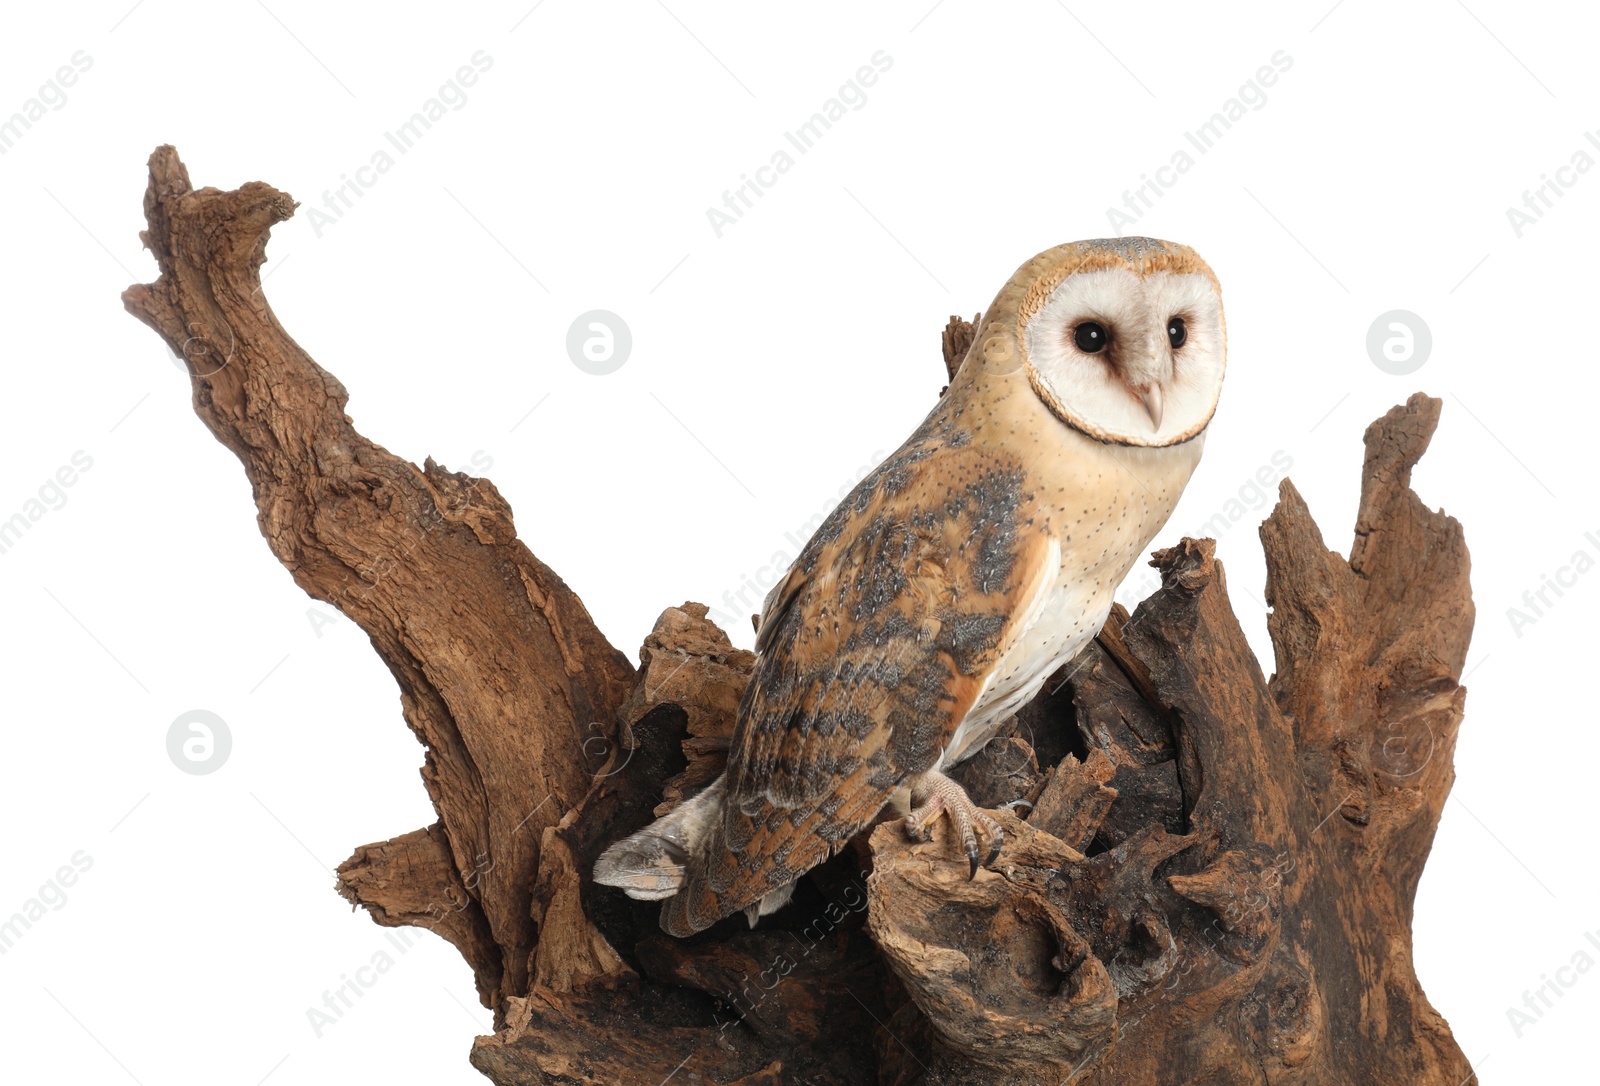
x=933 y=794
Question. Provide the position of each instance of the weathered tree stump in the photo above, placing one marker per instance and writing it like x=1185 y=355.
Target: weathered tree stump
x=1214 y=884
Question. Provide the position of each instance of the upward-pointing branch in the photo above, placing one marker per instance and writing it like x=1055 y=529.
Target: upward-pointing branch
x=502 y=672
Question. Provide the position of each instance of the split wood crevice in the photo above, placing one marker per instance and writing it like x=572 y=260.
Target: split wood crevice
x=1214 y=884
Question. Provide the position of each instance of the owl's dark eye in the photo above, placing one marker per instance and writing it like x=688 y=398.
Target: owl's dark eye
x=1090 y=338
x=1177 y=332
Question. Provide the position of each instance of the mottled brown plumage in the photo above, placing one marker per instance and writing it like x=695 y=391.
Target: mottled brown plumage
x=876 y=646
x=956 y=576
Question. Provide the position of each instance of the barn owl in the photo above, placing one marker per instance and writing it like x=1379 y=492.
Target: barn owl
x=939 y=596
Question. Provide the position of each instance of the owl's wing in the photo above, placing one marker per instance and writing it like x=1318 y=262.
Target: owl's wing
x=871 y=652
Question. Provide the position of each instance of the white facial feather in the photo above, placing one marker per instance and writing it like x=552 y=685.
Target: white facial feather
x=1099 y=392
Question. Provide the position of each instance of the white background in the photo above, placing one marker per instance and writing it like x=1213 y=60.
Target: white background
x=769 y=367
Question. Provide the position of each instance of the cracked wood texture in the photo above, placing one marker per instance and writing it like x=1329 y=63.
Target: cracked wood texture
x=1214 y=885
x=501 y=670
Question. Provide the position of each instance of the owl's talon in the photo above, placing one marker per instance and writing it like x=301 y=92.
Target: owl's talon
x=934 y=794
x=919 y=823
x=1012 y=805
x=999 y=843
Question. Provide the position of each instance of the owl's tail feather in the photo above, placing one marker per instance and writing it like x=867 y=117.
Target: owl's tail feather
x=652 y=864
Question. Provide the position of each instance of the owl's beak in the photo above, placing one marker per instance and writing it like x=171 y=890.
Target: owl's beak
x=1150 y=398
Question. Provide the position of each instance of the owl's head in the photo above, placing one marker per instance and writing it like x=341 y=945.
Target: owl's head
x=1122 y=338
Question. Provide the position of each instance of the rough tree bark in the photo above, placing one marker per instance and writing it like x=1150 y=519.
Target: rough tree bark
x=1214 y=884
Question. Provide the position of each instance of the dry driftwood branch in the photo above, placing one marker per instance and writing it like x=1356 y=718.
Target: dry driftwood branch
x=1214 y=884
x=481 y=636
